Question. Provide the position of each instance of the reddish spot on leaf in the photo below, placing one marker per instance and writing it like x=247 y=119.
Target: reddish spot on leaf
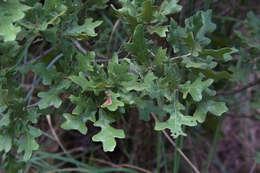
x=109 y=100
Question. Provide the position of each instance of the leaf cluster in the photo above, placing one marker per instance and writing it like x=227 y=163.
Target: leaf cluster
x=76 y=81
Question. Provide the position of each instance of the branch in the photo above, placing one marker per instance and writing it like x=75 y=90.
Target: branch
x=78 y=45
x=48 y=118
x=39 y=57
x=181 y=56
x=178 y=149
x=235 y=91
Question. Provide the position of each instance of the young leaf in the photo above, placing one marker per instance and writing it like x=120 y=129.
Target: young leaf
x=133 y=84
x=196 y=88
x=74 y=122
x=83 y=31
x=41 y=16
x=191 y=44
x=5 y=143
x=87 y=85
x=216 y=108
x=84 y=62
x=138 y=46
x=222 y=54
x=148 y=11
x=107 y=134
x=199 y=63
x=85 y=107
x=51 y=97
x=28 y=143
x=209 y=73
x=11 y=11
x=176 y=120
x=170 y=7
x=160 y=30
x=200 y=24
x=5 y=119
x=160 y=56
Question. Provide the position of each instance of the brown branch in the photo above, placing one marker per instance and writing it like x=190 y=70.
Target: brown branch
x=39 y=57
x=178 y=149
x=135 y=167
x=48 y=118
x=181 y=56
x=78 y=45
x=237 y=90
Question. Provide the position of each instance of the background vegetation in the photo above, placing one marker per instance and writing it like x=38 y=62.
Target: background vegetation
x=36 y=85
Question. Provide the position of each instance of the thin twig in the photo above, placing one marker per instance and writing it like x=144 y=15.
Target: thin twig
x=136 y=168
x=39 y=57
x=68 y=170
x=121 y=46
x=105 y=162
x=31 y=106
x=55 y=135
x=252 y=170
x=181 y=56
x=78 y=45
x=111 y=35
x=178 y=149
x=237 y=90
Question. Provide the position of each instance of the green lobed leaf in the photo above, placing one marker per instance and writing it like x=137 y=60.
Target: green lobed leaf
x=5 y=118
x=160 y=56
x=83 y=31
x=191 y=44
x=74 y=122
x=199 y=63
x=196 y=88
x=5 y=143
x=148 y=11
x=96 y=4
x=223 y=54
x=133 y=84
x=118 y=73
x=160 y=30
x=175 y=36
x=41 y=16
x=40 y=69
x=209 y=73
x=200 y=24
x=107 y=134
x=170 y=7
x=205 y=106
x=84 y=62
x=138 y=45
x=176 y=120
x=88 y=85
x=85 y=107
x=11 y=12
x=28 y=143
x=51 y=97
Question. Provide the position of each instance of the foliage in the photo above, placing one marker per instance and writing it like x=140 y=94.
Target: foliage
x=98 y=88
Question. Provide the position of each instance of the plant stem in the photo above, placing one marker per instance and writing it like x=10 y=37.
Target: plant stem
x=214 y=144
